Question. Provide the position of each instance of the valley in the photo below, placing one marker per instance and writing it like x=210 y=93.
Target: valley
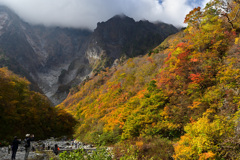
x=56 y=59
x=147 y=90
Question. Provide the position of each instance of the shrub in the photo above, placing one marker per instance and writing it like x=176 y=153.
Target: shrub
x=81 y=154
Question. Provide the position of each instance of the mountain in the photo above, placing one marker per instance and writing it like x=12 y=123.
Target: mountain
x=40 y=54
x=55 y=59
x=112 y=42
x=121 y=37
x=179 y=101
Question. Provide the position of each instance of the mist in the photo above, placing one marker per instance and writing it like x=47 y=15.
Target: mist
x=86 y=13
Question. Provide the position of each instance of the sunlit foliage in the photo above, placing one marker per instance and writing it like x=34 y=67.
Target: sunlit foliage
x=186 y=89
x=23 y=111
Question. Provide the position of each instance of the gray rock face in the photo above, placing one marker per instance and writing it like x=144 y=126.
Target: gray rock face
x=122 y=36
x=48 y=56
x=55 y=59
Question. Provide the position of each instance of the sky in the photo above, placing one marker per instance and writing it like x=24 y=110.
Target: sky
x=86 y=13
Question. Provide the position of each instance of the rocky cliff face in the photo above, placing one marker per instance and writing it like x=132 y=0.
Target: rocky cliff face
x=122 y=36
x=55 y=59
x=48 y=56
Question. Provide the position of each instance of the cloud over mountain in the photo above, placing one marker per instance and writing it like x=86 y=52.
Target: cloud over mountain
x=86 y=13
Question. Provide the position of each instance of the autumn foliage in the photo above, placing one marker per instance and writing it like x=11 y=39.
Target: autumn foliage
x=23 y=111
x=187 y=93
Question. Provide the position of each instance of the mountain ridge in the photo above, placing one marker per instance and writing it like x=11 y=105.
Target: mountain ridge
x=57 y=59
x=181 y=100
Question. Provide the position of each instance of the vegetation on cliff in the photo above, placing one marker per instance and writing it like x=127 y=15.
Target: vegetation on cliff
x=183 y=96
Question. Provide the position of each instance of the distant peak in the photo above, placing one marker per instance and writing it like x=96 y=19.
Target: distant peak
x=121 y=17
x=5 y=9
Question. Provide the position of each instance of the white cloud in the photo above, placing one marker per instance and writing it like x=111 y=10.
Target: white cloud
x=86 y=13
x=205 y=2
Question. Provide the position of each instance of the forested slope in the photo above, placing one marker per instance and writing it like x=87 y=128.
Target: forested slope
x=23 y=111
x=181 y=100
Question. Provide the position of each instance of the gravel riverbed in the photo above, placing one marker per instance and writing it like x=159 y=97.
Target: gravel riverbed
x=39 y=149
